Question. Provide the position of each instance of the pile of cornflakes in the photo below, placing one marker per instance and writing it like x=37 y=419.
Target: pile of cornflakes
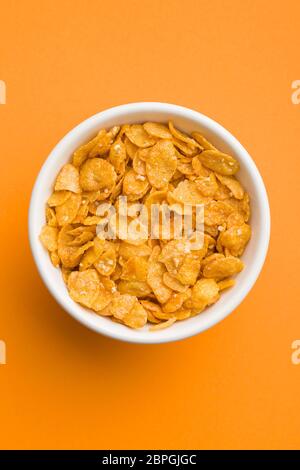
x=147 y=280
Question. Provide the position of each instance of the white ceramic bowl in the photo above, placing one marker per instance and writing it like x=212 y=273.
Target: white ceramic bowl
x=187 y=120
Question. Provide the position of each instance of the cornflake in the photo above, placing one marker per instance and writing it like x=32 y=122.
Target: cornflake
x=147 y=281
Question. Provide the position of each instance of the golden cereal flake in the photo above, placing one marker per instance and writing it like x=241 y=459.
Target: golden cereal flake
x=202 y=141
x=233 y=185
x=97 y=174
x=181 y=136
x=219 y=162
x=66 y=213
x=221 y=268
x=136 y=317
x=68 y=179
x=139 y=137
x=48 y=237
x=57 y=198
x=163 y=325
x=155 y=129
x=205 y=292
x=236 y=238
x=161 y=164
x=137 y=288
x=135 y=269
x=84 y=286
x=156 y=271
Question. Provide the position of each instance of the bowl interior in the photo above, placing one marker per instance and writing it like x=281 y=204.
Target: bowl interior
x=186 y=120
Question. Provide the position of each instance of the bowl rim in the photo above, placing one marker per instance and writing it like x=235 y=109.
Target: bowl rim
x=263 y=241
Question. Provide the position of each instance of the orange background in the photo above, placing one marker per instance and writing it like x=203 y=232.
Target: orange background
x=231 y=387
